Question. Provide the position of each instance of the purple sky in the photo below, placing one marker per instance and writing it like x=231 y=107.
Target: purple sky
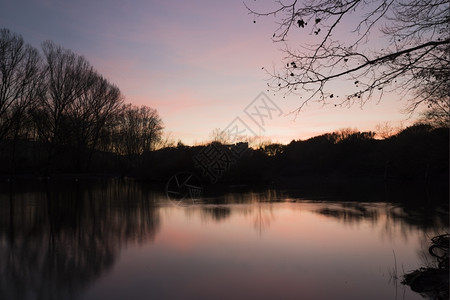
x=199 y=63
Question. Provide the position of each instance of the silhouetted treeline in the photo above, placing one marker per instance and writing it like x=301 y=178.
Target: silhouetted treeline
x=418 y=153
x=59 y=115
x=57 y=112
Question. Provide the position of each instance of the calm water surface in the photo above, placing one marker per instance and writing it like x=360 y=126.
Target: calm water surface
x=121 y=240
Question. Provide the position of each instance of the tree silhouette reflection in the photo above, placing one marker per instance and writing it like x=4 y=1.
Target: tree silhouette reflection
x=56 y=242
x=351 y=212
x=58 y=239
x=405 y=217
x=263 y=216
x=217 y=213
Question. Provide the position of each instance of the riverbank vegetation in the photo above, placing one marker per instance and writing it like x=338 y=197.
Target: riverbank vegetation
x=418 y=153
x=58 y=115
x=432 y=282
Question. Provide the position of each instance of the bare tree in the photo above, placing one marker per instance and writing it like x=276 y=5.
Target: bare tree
x=62 y=102
x=343 y=134
x=20 y=66
x=139 y=129
x=88 y=114
x=385 y=130
x=379 y=45
x=437 y=113
x=166 y=141
x=19 y=81
x=66 y=77
x=219 y=136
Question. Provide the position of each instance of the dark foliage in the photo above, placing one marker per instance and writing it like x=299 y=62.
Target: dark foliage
x=57 y=114
x=416 y=154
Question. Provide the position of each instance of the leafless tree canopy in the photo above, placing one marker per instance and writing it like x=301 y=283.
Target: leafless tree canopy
x=60 y=101
x=438 y=113
x=219 y=136
x=137 y=130
x=379 y=45
x=19 y=81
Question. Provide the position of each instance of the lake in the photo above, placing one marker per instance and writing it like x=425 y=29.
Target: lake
x=116 y=239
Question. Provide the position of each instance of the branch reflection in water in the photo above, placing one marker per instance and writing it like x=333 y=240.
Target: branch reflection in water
x=58 y=237
x=87 y=239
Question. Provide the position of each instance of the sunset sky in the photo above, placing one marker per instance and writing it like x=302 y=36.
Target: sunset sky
x=198 y=62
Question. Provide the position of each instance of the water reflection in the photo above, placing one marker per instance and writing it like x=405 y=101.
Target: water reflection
x=260 y=213
x=216 y=213
x=86 y=239
x=350 y=212
x=56 y=241
x=389 y=217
